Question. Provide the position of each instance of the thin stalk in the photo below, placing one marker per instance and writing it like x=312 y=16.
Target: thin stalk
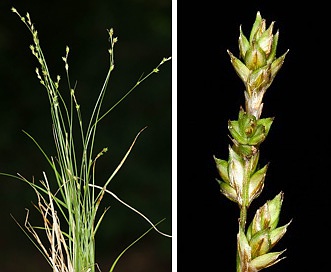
x=72 y=247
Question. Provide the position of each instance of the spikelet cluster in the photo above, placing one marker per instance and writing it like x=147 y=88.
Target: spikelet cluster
x=240 y=178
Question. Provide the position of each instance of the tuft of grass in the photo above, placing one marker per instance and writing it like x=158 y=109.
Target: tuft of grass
x=70 y=207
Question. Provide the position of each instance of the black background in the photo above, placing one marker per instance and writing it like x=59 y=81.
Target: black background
x=297 y=147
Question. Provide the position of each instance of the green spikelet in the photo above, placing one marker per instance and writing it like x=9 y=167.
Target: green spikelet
x=240 y=178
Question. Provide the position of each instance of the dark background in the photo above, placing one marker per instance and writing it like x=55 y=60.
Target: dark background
x=144 y=29
x=210 y=93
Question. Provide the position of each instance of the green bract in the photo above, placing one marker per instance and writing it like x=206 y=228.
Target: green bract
x=248 y=130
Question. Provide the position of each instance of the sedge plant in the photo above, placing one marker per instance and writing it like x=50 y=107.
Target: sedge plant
x=68 y=201
x=241 y=178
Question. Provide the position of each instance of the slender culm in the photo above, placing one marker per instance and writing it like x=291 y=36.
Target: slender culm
x=70 y=207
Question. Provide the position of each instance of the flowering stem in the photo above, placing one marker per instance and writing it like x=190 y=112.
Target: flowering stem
x=242 y=179
x=243 y=217
x=245 y=196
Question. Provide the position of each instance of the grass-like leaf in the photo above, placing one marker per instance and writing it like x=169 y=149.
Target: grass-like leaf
x=69 y=208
